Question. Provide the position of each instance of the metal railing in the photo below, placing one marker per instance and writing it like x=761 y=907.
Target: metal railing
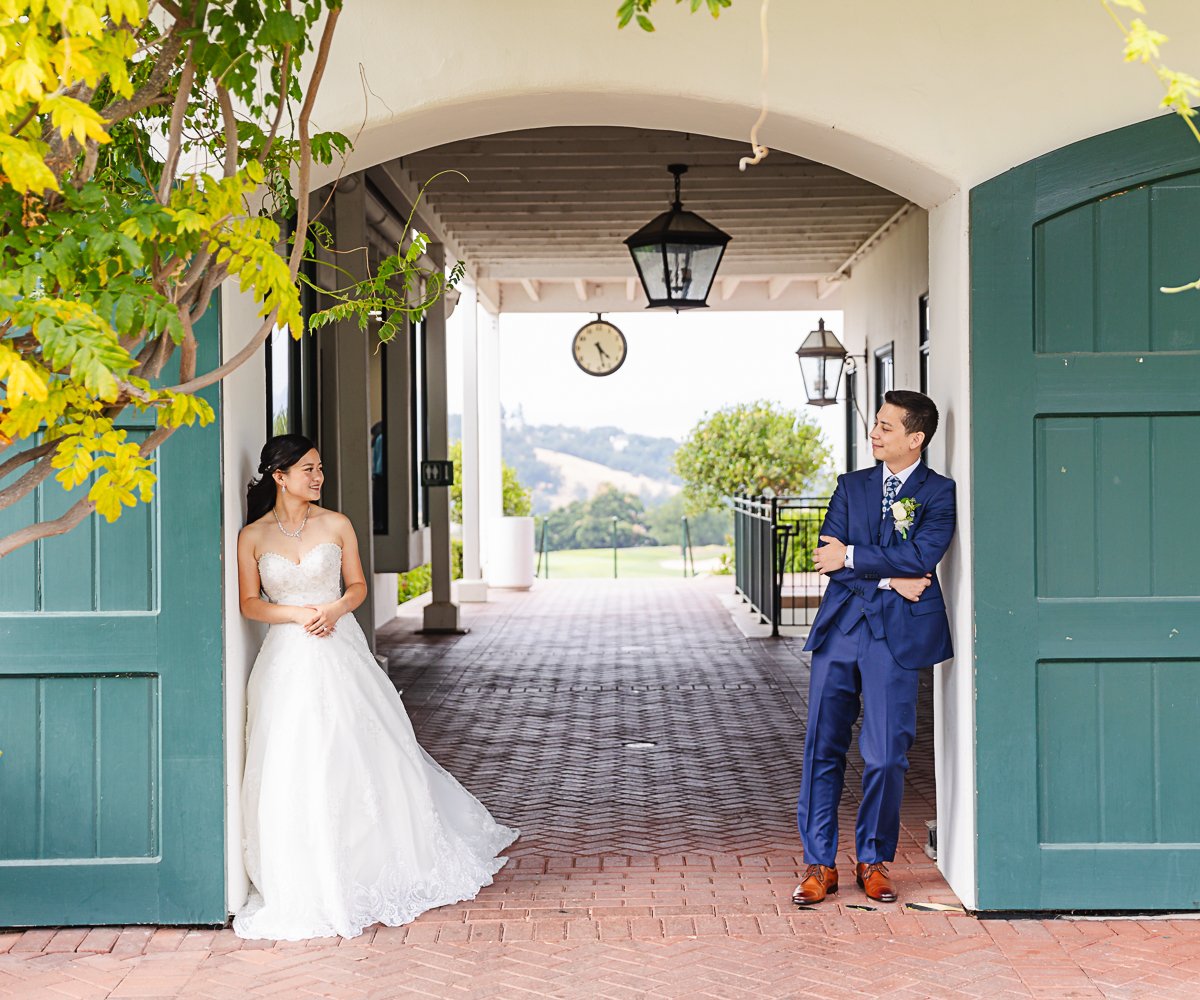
x=685 y=548
x=543 y=553
x=773 y=540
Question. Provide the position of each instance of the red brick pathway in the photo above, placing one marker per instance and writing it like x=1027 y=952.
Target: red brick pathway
x=642 y=871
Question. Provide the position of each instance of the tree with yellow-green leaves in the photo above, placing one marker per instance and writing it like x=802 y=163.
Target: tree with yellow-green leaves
x=148 y=153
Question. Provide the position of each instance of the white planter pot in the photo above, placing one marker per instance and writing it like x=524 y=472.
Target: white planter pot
x=511 y=553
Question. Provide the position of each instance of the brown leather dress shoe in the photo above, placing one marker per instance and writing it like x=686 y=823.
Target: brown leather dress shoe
x=874 y=880
x=818 y=882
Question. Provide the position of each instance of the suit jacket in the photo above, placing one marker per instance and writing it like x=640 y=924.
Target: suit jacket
x=918 y=634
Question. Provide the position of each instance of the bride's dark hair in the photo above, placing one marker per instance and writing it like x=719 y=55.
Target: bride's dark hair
x=280 y=452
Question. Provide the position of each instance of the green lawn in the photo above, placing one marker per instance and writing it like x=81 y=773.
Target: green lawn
x=647 y=561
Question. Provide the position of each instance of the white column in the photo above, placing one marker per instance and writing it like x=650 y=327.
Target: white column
x=491 y=492
x=472 y=587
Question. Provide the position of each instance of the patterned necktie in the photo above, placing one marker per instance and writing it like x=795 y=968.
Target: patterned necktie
x=891 y=488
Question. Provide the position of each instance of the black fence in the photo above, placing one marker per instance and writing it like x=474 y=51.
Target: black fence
x=773 y=542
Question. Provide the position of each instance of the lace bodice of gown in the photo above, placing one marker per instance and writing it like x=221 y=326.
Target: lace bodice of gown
x=316 y=579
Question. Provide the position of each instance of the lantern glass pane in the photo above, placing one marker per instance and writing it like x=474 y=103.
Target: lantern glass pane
x=812 y=370
x=821 y=378
x=649 y=262
x=691 y=269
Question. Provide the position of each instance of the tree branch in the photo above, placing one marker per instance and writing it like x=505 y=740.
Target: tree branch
x=284 y=72
x=76 y=513
x=152 y=90
x=28 y=455
x=302 y=189
x=91 y=157
x=231 y=136
x=31 y=480
x=175 y=132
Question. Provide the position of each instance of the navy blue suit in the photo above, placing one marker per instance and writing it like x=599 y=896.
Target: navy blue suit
x=868 y=644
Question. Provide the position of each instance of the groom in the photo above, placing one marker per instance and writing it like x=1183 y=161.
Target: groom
x=882 y=619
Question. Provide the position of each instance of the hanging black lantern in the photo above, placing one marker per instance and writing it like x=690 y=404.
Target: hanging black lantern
x=677 y=255
x=822 y=358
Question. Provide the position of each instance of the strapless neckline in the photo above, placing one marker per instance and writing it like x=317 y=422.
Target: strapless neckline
x=279 y=555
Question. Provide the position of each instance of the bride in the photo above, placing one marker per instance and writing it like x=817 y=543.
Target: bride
x=348 y=821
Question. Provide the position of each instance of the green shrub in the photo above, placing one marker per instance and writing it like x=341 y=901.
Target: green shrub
x=418 y=581
x=800 y=547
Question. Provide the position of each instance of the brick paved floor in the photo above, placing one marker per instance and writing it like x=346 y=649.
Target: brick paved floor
x=651 y=757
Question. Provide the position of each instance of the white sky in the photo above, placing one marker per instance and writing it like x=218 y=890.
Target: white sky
x=678 y=368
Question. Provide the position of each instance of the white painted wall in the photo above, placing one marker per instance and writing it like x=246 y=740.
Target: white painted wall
x=920 y=98
x=950 y=453
x=880 y=304
x=386 y=585
x=491 y=490
x=243 y=409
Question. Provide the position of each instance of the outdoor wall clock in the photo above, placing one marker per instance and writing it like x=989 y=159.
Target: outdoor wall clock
x=599 y=348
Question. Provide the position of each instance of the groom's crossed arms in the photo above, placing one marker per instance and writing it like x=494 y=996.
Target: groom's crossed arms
x=913 y=557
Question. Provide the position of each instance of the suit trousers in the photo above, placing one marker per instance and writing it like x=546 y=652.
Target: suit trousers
x=848 y=668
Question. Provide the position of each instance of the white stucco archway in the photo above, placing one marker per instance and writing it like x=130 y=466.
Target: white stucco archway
x=477 y=115
x=390 y=136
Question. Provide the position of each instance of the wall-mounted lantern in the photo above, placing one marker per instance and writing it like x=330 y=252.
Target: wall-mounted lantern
x=822 y=360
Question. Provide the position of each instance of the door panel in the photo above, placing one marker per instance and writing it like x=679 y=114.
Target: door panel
x=1085 y=415
x=112 y=771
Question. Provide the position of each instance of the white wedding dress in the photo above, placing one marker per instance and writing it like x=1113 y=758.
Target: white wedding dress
x=348 y=821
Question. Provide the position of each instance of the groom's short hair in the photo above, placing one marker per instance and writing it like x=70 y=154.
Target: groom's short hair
x=920 y=412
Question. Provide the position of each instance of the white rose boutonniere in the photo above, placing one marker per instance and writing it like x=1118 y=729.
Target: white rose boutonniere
x=903 y=512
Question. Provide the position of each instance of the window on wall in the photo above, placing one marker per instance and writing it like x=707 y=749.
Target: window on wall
x=885 y=369
x=378 y=386
x=291 y=384
x=923 y=334
x=279 y=409
x=419 y=423
x=292 y=378
x=851 y=421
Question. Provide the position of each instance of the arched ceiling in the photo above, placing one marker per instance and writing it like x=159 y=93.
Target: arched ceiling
x=540 y=215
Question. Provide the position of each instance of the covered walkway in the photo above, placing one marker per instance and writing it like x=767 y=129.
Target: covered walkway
x=651 y=756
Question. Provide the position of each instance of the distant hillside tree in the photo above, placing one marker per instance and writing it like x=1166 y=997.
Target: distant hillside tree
x=595 y=530
x=587 y=524
x=746 y=449
x=706 y=528
x=516 y=497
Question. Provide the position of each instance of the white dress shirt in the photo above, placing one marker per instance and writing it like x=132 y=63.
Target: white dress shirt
x=902 y=475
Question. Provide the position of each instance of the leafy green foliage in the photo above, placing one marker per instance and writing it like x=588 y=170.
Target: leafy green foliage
x=1181 y=91
x=710 y=527
x=144 y=160
x=639 y=10
x=749 y=448
x=588 y=524
x=419 y=580
x=516 y=499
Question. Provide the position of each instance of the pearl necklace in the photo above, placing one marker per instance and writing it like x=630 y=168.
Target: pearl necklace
x=291 y=534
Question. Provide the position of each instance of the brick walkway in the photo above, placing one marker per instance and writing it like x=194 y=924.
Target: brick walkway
x=651 y=757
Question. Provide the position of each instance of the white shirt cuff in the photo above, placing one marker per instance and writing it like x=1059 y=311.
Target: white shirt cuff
x=849 y=557
x=885 y=583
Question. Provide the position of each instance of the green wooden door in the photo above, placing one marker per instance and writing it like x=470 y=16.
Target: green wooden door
x=112 y=774
x=1086 y=492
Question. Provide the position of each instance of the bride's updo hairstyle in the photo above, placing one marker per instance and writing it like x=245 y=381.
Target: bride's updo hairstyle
x=280 y=452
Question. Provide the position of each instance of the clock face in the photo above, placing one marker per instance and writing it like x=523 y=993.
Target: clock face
x=599 y=348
